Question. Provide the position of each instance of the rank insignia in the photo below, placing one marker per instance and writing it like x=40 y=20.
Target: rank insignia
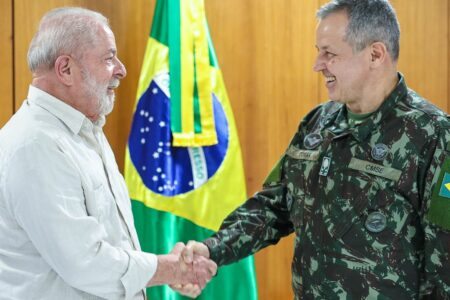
x=376 y=222
x=379 y=151
x=326 y=162
x=312 y=140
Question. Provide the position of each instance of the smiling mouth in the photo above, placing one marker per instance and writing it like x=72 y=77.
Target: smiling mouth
x=111 y=89
x=329 y=79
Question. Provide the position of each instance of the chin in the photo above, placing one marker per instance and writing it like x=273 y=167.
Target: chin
x=107 y=110
x=106 y=105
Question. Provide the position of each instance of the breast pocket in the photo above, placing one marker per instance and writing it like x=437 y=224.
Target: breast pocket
x=299 y=165
x=371 y=221
x=97 y=202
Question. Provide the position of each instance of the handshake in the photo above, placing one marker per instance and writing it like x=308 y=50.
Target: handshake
x=186 y=269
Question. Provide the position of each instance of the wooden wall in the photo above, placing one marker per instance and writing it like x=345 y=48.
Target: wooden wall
x=6 y=62
x=266 y=51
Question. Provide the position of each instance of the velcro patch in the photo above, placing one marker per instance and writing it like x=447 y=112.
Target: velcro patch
x=296 y=153
x=439 y=212
x=375 y=169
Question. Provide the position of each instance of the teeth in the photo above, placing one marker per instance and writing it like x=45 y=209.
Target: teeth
x=330 y=78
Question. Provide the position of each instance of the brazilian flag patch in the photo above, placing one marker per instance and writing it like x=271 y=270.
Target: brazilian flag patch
x=439 y=212
x=444 y=191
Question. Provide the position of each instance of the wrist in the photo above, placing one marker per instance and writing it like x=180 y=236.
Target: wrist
x=211 y=244
x=166 y=270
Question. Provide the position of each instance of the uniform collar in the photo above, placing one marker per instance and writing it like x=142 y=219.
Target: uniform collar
x=363 y=131
x=72 y=118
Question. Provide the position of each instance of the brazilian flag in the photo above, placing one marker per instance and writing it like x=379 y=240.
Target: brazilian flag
x=183 y=165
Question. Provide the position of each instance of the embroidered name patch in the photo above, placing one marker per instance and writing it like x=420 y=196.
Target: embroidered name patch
x=375 y=169
x=296 y=153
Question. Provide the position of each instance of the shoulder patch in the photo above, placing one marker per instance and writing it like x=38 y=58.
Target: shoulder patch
x=439 y=212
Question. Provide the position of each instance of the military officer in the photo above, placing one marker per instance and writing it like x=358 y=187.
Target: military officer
x=365 y=181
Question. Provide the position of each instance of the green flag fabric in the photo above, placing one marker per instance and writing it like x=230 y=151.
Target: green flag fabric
x=185 y=179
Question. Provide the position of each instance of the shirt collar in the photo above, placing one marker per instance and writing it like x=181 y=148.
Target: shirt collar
x=72 y=118
x=362 y=131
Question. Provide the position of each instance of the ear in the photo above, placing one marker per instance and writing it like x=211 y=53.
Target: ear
x=378 y=54
x=64 y=65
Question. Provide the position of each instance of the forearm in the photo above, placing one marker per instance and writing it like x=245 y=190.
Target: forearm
x=258 y=223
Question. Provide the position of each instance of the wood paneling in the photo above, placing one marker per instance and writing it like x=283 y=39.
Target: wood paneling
x=6 y=58
x=424 y=48
x=266 y=51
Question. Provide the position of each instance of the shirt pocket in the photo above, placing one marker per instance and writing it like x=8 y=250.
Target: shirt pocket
x=97 y=202
x=299 y=165
x=348 y=224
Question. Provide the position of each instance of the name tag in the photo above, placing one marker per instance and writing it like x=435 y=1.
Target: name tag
x=375 y=169
x=296 y=153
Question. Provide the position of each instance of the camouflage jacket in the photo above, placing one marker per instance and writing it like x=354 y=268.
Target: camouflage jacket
x=369 y=205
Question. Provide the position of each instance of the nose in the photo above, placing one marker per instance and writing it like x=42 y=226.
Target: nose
x=319 y=64
x=120 y=70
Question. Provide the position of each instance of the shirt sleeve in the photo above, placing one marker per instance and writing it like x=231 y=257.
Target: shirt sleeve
x=435 y=217
x=261 y=221
x=44 y=194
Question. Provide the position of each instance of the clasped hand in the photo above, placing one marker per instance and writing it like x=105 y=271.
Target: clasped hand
x=187 y=269
x=194 y=258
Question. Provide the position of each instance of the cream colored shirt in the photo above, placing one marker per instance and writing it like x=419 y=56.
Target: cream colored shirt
x=66 y=225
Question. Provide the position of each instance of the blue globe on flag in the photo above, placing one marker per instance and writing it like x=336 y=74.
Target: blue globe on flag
x=165 y=169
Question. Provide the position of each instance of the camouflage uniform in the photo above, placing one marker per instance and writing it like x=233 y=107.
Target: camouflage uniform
x=359 y=203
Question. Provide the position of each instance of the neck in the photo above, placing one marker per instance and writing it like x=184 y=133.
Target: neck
x=50 y=86
x=375 y=94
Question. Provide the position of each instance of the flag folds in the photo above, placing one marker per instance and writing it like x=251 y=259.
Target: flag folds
x=183 y=165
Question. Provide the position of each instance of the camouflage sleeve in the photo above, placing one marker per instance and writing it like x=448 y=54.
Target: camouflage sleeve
x=261 y=221
x=436 y=221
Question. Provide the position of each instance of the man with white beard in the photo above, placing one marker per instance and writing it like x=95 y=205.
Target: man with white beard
x=66 y=226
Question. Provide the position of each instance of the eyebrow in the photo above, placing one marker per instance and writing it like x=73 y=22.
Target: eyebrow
x=322 y=48
x=112 y=51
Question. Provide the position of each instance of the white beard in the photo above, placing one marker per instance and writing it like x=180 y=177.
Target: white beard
x=99 y=91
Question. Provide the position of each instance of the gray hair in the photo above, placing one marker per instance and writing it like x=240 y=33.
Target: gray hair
x=65 y=30
x=369 y=21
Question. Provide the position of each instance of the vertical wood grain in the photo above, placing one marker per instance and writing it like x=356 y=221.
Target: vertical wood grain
x=424 y=48
x=6 y=59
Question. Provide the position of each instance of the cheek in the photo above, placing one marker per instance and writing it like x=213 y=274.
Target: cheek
x=351 y=70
